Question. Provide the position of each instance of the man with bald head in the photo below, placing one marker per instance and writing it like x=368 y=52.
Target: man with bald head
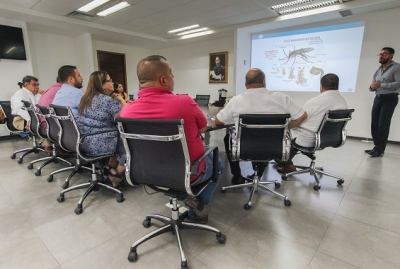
x=156 y=101
x=256 y=100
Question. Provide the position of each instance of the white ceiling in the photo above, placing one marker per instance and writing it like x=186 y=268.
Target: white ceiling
x=146 y=22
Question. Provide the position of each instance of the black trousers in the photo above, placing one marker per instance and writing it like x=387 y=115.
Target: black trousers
x=381 y=116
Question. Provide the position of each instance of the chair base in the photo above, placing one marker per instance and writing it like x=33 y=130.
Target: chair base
x=78 y=167
x=313 y=171
x=35 y=149
x=93 y=185
x=51 y=159
x=174 y=225
x=255 y=185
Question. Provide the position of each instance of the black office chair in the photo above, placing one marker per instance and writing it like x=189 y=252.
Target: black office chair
x=331 y=133
x=33 y=132
x=158 y=157
x=202 y=100
x=70 y=140
x=52 y=135
x=5 y=106
x=261 y=138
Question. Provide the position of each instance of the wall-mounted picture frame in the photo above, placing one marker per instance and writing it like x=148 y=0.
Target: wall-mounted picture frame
x=218 y=67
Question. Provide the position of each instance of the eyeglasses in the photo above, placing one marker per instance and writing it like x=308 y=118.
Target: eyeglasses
x=109 y=80
x=383 y=54
x=34 y=84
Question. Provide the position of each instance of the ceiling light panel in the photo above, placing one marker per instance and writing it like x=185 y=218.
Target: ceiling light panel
x=194 y=31
x=113 y=9
x=184 y=28
x=92 y=5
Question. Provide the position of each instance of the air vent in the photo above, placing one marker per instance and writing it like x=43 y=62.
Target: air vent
x=82 y=16
x=346 y=13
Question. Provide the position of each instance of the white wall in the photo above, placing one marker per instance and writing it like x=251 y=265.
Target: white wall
x=132 y=56
x=190 y=67
x=381 y=29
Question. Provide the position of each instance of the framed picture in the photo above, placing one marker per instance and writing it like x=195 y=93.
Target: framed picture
x=218 y=67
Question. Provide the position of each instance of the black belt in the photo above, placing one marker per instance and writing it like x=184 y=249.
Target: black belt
x=387 y=95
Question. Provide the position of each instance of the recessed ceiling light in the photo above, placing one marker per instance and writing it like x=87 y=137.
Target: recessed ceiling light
x=197 y=34
x=183 y=29
x=303 y=5
x=92 y=5
x=113 y=9
x=194 y=31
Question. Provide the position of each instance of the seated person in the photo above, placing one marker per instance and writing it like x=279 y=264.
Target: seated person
x=256 y=100
x=329 y=99
x=119 y=88
x=156 y=101
x=28 y=87
x=97 y=110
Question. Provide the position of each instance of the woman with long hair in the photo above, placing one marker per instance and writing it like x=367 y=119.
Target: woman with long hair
x=119 y=89
x=97 y=109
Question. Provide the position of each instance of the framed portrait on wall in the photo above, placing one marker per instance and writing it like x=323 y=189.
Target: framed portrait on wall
x=218 y=67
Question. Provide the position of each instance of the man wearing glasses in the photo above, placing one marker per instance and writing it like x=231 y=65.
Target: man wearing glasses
x=30 y=86
x=386 y=85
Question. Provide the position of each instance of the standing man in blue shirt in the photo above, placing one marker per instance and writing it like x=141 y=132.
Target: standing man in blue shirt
x=70 y=93
x=386 y=85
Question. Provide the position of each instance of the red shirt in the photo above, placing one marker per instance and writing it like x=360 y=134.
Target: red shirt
x=161 y=103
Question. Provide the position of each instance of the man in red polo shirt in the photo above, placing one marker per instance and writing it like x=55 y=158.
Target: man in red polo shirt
x=156 y=101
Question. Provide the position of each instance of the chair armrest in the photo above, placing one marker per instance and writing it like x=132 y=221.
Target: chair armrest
x=195 y=166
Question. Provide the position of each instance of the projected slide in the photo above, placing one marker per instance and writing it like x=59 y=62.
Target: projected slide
x=296 y=60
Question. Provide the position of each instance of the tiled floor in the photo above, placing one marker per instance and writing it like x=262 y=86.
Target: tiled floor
x=353 y=226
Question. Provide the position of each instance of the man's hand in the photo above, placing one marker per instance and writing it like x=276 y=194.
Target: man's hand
x=27 y=125
x=375 y=85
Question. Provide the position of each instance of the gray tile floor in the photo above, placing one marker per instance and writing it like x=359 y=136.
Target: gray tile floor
x=353 y=226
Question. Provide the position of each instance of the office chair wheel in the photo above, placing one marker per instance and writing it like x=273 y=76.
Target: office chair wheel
x=277 y=185
x=38 y=173
x=13 y=156
x=65 y=185
x=78 y=210
x=60 y=198
x=287 y=202
x=247 y=206
x=340 y=182
x=316 y=187
x=221 y=238
x=223 y=190
x=184 y=265
x=19 y=161
x=120 y=199
x=30 y=166
x=132 y=257
x=146 y=223
x=50 y=178
x=284 y=177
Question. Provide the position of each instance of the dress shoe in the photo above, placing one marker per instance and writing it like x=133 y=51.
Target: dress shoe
x=48 y=149
x=375 y=153
x=200 y=209
x=236 y=180
x=368 y=150
x=287 y=169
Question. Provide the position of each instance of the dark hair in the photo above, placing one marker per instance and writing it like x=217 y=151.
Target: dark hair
x=389 y=49
x=151 y=68
x=330 y=82
x=258 y=78
x=58 y=80
x=94 y=87
x=65 y=72
x=27 y=79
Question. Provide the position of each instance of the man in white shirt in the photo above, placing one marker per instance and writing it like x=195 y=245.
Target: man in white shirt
x=30 y=86
x=256 y=100
x=329 y=99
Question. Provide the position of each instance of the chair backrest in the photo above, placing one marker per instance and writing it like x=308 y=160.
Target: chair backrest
x=262 y=137
x=202 y=100
x=332 y=132
x=6 y=108
x=156 y=152
x=69 y=135
x=53 y=129
x=34 y=123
